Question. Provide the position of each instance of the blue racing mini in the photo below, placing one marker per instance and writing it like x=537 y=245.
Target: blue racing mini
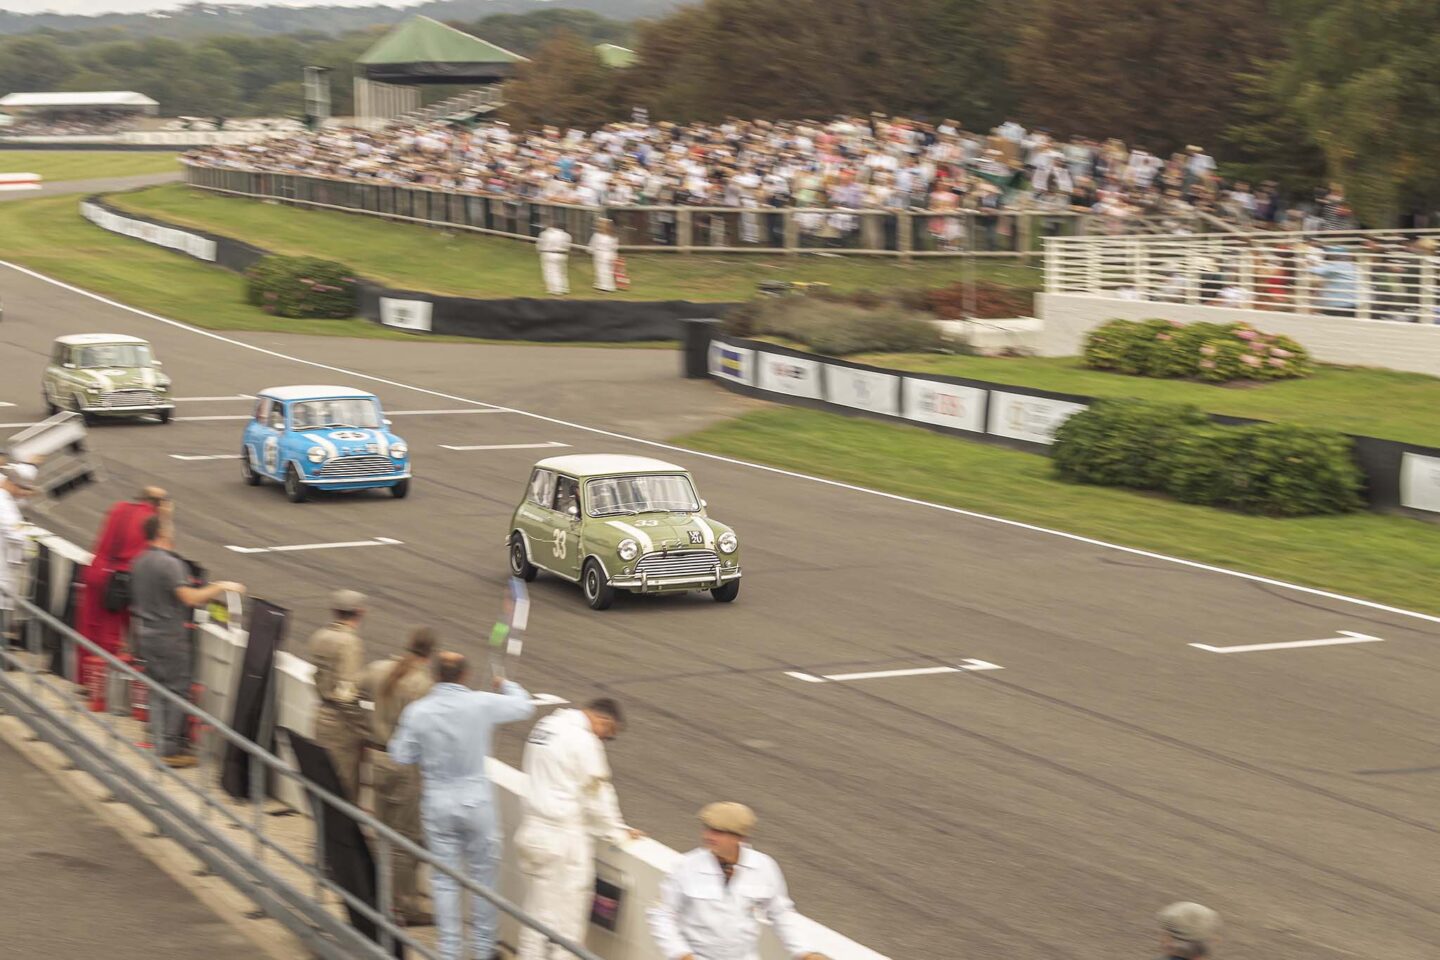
x=323 y=438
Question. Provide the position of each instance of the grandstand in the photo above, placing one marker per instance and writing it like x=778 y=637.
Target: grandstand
x=95 y=113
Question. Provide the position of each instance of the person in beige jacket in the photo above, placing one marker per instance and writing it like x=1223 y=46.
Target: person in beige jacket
x=338 y=654
x=392 y=685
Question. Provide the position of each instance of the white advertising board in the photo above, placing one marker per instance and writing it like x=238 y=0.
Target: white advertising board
x=405 y=314
x=792 y=375
x=1022 y=417
x=732 y=363
x=1420 y=482
x=945 y=404
x=863 y=389
x=187 y=243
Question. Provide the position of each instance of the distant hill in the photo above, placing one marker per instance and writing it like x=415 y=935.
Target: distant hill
x=210 y=19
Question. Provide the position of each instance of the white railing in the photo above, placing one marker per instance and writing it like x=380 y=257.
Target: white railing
x=1363 y=274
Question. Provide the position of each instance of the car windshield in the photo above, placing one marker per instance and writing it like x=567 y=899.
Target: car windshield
x=115 y=355
x=612 y=496
x=348 y=412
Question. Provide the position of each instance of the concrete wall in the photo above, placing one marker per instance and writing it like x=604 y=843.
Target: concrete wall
x=1414 y=347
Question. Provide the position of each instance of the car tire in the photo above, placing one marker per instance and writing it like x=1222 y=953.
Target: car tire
x=596 y=586
x=86 y=418
x=520 y=565
x=248 y=473
x=294 y=489
x=726 y=593
x=50 y=408
x=165 y=415
x=401 y=490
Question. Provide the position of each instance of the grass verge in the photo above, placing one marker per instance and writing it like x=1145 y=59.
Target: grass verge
x=1369 y=402
x=473 y=265
x=59 y=165
x=49 y=235
x=1388 y=559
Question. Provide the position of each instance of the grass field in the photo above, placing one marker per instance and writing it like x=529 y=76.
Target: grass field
x=1388 y=559
x=57 y=165
x=1377 y=403
x=472 y=265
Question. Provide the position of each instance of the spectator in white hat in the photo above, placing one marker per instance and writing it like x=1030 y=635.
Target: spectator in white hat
x=1187 y=930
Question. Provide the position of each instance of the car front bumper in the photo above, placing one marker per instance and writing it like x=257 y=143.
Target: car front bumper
x=646 y=584
x=355 y=483
x=127 y=410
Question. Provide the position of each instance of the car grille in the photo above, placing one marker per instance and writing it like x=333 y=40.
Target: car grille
x=343 y=467
x=681 y=563
x=128 y=398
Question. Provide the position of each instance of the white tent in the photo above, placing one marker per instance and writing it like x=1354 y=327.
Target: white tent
x=101 y=100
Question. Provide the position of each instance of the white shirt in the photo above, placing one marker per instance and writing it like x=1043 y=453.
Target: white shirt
x=553 y=240
x=698 y=913
x=12 y=547
x=570 y=776
x=603 y=245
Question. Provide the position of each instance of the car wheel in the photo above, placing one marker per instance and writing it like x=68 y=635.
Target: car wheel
x=50 y=408
x=520 y=565
x=294 y=489
x=165 y=415
x=401 y=489
x=247 y=469
x=87 y=418
x=598 y=592
x=726 y=593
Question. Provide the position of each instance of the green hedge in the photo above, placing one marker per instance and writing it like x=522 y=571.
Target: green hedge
x=1268 y=468
x=302 y=287
x=1213 y=352
x=834 y=328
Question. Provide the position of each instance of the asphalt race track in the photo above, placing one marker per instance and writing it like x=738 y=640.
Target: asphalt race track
x=1041 y=810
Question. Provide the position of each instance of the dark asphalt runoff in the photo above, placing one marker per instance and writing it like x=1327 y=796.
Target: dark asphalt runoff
x=1044 y=810
x=72 y=888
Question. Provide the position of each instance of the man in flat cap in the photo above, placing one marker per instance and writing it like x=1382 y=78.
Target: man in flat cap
x=338 y=654
x=712 y=904
x=1187 y=930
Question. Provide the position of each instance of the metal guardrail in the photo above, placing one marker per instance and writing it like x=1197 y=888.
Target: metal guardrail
x=684 y=229
x=1361 y=274
x=185 y=806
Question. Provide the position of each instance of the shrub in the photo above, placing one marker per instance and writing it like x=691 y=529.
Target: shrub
x=301 y=287
x=1213 y=352
x=1122 y=442
x=836 y=328
x=1269 y=468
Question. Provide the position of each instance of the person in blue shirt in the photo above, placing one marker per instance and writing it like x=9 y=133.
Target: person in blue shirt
x=1339 y=293
x=448 y=733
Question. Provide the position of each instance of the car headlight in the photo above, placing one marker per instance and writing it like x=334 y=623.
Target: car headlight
x=399 y=451
x=728 y=542
x=316 y=454
x=628 y=549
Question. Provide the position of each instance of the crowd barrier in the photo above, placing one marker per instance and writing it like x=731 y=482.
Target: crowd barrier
x=521 y=318
x=635 y=868
x=1399 y=476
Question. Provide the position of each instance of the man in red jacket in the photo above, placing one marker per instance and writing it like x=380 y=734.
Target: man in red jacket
x=121 y=540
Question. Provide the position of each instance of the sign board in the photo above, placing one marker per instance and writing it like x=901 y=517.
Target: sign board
x=1019 y=416
x=732 y=363
x=945 y=404
x=1420 y=482
x=863 y=389
x=188 y=243
x=406 y=314
x=793 y=375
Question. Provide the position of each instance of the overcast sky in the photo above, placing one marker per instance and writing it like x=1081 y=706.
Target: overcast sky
x=138 y=6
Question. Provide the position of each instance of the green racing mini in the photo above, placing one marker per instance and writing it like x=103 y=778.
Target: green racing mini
x=621 y=523
x=106 y=375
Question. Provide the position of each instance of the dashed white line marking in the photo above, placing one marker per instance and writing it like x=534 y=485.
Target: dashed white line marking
x=961 y=667
x=290 y=548
x=1346 y=636
x=507 y=446
x=4 y=403
x=205 y=456
x=735 y=461
x=233 y=396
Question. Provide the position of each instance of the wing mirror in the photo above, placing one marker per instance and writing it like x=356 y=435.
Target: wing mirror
x=280 y=427
x=68 y=366
x=157 y=364
x=704 y=504
x=573 y=512
x=386 y=421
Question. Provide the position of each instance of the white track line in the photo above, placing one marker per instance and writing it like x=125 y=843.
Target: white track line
x=507 y=446
x=962 y=667
x=246 y=416
x=1346 y=636
x=204 y=456
x=777 y=471
x=233 y=396
x=291 y=548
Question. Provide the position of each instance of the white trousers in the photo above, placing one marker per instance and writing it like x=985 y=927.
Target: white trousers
x=554 y=267
x=559 y=867
x=604 y=272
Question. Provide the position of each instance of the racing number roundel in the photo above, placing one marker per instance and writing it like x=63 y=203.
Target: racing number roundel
x=272 y=454
x=559 y=544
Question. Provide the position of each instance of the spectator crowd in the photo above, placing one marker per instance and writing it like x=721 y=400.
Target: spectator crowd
x=848 y=163
x=71 y=123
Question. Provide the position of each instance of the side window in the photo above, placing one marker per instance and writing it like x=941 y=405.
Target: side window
x=74 y=356
x=58 y=357
x=277 y=416
x=567 y=495
x=542 y=488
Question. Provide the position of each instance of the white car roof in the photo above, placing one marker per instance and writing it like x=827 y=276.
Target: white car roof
x=86 y=339
x=314 y=392
x=604 y=464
